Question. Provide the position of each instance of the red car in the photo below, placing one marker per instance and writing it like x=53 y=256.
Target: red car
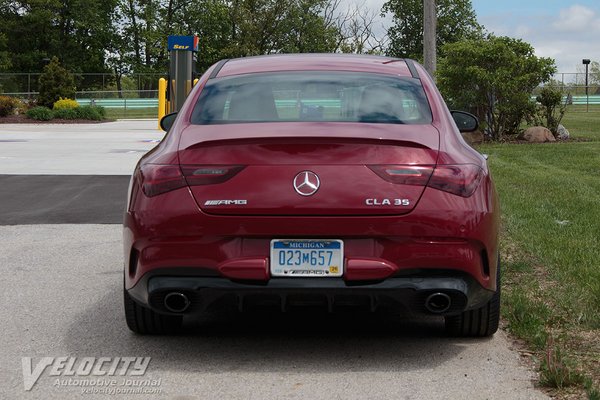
x=328 y=181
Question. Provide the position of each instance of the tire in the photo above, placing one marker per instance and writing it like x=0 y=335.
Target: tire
x=480 y=322
x=144 y=321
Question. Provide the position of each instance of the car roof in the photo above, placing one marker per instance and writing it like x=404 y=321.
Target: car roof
x=315 y=62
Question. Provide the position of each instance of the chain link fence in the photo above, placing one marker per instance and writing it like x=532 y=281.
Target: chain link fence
x=575 y=83
x=132 y=96
x=25 y=85
x=135 y=95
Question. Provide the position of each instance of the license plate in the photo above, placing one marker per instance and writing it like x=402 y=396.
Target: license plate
x=307 y=258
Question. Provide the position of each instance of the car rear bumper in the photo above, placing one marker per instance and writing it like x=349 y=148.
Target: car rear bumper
x=410 y=292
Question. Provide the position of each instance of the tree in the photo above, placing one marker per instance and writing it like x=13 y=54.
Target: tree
x=356 y=32
x=456 y=20
x=75 y=31
x=55 y=82
x=494 y=78
x=226 y=28
x=130 y=36
x=4 y=54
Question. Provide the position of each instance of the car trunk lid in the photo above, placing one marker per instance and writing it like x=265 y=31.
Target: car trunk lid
x=308 y=168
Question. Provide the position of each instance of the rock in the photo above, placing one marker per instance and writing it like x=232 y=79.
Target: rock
x=473 y=137
x=562 y=133
x=537 y=134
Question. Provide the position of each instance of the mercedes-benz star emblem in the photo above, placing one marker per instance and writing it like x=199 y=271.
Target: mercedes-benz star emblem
x=306 y=183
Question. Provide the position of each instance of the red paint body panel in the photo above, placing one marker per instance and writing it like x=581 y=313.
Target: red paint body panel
x=255 y=269
x=315 y=62
x=437 y=231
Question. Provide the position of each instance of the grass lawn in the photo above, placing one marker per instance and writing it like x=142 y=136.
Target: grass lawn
x=550 y=195
x=119 y=113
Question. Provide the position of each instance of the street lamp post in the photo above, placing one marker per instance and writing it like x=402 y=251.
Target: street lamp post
x=586 y=62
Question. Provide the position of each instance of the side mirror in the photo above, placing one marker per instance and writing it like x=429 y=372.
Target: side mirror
x=466 y=122
x=166 y=122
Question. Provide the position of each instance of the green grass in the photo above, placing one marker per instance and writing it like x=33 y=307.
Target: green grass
x=118 y=113
x=584 y=124
x=550 y=197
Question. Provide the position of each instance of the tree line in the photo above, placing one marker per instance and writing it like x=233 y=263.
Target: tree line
x=129 y=36
x=491 y=76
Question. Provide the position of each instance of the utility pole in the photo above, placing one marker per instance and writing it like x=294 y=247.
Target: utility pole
x=429 y=35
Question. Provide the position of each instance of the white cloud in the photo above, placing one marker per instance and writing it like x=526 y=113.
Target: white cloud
x=566 y=35
x=577 y=18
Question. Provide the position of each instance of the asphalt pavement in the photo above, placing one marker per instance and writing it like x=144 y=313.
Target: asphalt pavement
x=61 y=265
x=62 y=199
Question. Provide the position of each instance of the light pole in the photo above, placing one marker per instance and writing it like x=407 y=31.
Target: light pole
x=586 y=62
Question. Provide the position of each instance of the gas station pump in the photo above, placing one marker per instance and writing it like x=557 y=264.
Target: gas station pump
x=173 y=92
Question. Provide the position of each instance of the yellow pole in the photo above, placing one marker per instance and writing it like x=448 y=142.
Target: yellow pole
x=195 y=81
x=188 y=87
x=162 y=99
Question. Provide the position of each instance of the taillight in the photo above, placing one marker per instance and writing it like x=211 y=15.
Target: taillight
x=156 y=179
x=461 y=180
x=209 y=174
x=404 y=174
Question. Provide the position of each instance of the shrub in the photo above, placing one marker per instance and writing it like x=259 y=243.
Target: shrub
x=494 y=77
x=66 y=113
x=94 y=113
x=8 y=105
x=40 y=113
x=552 y=109
x=65 y=104
x=55 y=83
x=22 y=106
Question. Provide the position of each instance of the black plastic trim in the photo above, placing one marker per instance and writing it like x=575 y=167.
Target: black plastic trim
x=410 y=291
x=217 y=69
x=411 y=67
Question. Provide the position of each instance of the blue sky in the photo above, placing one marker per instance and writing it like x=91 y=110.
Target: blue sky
x=531 y=7
x=567 y=31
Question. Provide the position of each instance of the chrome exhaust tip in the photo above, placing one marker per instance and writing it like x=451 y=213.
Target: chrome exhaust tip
x=176 y=302
x=438 y=303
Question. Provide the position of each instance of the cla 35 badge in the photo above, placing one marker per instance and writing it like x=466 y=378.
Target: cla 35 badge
x=387 y=202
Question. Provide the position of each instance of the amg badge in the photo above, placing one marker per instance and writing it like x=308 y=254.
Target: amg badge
x=225 y=202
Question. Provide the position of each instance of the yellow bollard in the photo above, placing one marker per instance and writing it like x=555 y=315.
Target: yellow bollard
x=195 y=81
x=188 y=87
x=162 y=99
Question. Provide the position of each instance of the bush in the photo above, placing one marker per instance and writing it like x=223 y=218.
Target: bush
x=55 y=83
x=94 y=113
x=66 y=113
x=65 y=104
x=552 y=109
x=40 y=113
x=493 y=77
x=8 y=105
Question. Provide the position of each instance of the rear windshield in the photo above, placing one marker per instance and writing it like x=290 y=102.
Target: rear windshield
x=312 y=96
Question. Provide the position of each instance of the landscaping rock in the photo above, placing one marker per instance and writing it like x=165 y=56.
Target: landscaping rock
x=473 y=137
x=537 y=134
x=562 y=133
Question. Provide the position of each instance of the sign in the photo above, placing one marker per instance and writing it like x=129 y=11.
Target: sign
x=183 y=43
